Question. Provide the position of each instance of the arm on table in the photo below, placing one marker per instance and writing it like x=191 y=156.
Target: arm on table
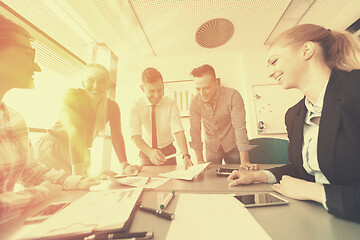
x=181 y=141
x=118 y=142
x=239 y=124
x=195 y=132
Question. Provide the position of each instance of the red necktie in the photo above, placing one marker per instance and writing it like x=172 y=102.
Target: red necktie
x=153 y=127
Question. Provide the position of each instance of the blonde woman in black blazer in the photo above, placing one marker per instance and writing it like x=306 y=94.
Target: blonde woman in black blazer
x=324 y=127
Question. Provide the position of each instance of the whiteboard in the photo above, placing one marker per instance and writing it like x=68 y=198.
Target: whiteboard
x=271 y=104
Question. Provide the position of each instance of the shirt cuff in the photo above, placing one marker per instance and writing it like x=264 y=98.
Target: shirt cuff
x=323 y=198
x=271 y=176
x=177 y=128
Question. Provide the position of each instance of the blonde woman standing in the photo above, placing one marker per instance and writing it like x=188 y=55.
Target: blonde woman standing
x=83 y=116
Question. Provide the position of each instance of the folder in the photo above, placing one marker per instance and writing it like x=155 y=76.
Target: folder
x=93 y=213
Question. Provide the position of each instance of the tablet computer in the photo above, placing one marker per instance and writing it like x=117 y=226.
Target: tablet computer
x=225 y=171
x=260 y=200
x=46 y=212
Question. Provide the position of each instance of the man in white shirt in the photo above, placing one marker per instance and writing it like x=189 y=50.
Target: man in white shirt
x=160 y=118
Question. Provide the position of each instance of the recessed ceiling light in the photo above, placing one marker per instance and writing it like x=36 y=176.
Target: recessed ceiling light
x=214 y=33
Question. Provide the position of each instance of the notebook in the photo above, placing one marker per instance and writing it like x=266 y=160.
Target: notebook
x=95 y=212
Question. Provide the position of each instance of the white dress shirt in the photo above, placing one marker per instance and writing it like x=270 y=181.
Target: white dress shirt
x=168 y=120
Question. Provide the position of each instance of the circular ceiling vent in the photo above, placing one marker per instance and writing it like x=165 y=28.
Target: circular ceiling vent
x=214 y=33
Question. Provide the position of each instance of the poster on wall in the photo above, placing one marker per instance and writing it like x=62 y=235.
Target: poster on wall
x=182 y=92
x=271 y=104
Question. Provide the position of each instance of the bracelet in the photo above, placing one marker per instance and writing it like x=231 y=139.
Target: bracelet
x=186 y=155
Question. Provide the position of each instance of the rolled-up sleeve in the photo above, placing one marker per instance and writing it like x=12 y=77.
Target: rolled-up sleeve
x=239 y=123
x=195 y=126
x=135 y=122
x=176 y=125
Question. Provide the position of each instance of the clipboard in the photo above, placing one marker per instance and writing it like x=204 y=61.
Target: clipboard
x=52 y=228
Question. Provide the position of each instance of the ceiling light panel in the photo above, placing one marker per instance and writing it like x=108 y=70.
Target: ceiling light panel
x=50 y=59
x=39 y=14
x=171 y=25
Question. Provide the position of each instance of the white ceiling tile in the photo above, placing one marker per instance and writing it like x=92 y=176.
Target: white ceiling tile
x=171 y=25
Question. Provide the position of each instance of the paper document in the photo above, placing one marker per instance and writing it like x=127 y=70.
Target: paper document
x=144 y=182
x=188 y=174
x=213 y=216
x=96 y=211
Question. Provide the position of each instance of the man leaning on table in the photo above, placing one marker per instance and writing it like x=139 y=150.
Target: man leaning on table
x=160 y=117
x=222 y=113
x=17 y=67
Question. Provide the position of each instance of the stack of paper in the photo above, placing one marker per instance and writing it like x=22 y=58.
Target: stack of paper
x=213 y=216
x=96 y=211
x=188 y=174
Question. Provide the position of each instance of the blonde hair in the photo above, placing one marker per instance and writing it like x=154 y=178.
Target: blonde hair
x=340 y=50
x=102 y=107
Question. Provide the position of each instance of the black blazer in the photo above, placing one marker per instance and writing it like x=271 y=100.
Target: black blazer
x=338 y=144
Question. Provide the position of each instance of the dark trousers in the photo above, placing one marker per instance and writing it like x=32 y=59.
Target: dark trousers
x=168 y=150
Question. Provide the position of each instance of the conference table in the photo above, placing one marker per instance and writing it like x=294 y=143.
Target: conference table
x=297 y=220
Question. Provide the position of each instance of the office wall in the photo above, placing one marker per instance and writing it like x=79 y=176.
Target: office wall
x=255 y=72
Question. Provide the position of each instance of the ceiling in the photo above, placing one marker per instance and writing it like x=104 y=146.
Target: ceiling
x=169 y=26
x=165 y=28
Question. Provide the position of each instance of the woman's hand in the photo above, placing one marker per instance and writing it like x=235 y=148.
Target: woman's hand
x=299 y=189
x=86 y=183
x=237 y=178
x=54 y=189
x=246 y=177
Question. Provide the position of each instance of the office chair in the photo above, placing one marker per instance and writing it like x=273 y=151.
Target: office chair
x=269 y=151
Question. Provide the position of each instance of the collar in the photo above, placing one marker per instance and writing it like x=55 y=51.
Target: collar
x=217 y=95
x=317 y=107
x=148 y=103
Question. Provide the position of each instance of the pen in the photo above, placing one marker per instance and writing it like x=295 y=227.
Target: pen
x=120 y=235
x=166 y=215
x=166 y=201
x=170 y=156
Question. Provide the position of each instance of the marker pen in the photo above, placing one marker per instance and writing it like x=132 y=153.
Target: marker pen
x=167 y=200
x=166 y=215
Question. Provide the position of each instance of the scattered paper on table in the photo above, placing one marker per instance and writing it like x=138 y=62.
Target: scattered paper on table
x=213 y=216
x=188 y=174
x=144 y=182
x=155 y=182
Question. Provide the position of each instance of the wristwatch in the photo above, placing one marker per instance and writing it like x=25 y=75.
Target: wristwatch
x=186 y=155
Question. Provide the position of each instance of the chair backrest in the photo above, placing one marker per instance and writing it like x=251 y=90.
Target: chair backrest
x=269 y=151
